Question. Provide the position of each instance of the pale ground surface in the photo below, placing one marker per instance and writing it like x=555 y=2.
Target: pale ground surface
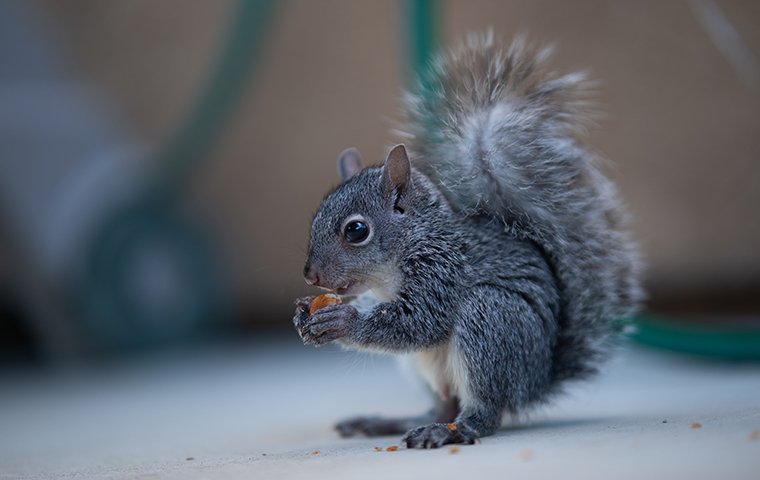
x=259 y=411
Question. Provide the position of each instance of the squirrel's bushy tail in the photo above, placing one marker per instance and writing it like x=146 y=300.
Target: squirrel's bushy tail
x=498 y=132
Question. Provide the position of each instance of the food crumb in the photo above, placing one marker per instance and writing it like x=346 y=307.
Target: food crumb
x=392 y=448
x=453 y=450
x=452 y=426
x=526 y=454
x=696 y=425
x=754 y=436
x=190 y=458
x=315 y=452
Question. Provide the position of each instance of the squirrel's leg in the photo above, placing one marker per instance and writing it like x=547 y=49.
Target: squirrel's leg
x=445 y=411
x=503 y=356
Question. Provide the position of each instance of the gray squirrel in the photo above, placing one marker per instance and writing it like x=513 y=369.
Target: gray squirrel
x=489 y=249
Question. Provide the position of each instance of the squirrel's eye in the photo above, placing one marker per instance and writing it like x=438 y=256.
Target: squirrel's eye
x=356 y=231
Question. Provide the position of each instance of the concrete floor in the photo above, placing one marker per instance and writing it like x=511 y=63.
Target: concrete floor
x=260 y=410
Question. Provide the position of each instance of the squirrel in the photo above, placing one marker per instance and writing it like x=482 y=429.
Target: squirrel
x=489 y=249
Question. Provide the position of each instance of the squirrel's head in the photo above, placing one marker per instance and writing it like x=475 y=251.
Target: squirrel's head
x=360 y=227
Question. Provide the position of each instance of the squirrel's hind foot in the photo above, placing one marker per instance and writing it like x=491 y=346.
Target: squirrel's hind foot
x=437 y=435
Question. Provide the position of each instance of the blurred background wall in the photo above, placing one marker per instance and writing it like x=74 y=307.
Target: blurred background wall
x=679 y=88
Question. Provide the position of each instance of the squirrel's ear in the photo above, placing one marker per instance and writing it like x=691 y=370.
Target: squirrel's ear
x=349 y=163
x=397 y=171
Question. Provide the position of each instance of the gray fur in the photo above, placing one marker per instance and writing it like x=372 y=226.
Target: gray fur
x=498 y=132
x=503 y=252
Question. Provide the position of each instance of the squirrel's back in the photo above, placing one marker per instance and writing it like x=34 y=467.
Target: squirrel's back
x=497 y=132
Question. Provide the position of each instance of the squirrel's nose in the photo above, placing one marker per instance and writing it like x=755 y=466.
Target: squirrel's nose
x=310 y=275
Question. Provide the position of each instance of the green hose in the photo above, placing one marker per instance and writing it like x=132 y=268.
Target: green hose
x=732 y=342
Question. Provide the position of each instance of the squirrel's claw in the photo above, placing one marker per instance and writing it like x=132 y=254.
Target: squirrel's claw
x=326 y=325
x=437 y=435
x=301 y=314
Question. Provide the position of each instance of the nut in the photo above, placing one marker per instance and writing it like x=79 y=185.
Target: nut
x=323 y=301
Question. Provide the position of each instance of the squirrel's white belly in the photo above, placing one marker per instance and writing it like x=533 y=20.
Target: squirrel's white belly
x=440 y=367
x=443 y=370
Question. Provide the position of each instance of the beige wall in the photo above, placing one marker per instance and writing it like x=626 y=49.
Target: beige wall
x=681 y=129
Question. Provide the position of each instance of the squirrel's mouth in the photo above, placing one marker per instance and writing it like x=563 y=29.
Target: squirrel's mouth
x=351 y=289
x=348 y=289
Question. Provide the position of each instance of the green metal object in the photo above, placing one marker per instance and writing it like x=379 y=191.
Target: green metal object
x=152 y=278
x=423 y=35
x=151 y=274
x=244 y=47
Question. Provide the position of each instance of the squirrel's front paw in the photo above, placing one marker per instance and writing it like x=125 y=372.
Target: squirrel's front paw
x=302 y=312
x=326 y=325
